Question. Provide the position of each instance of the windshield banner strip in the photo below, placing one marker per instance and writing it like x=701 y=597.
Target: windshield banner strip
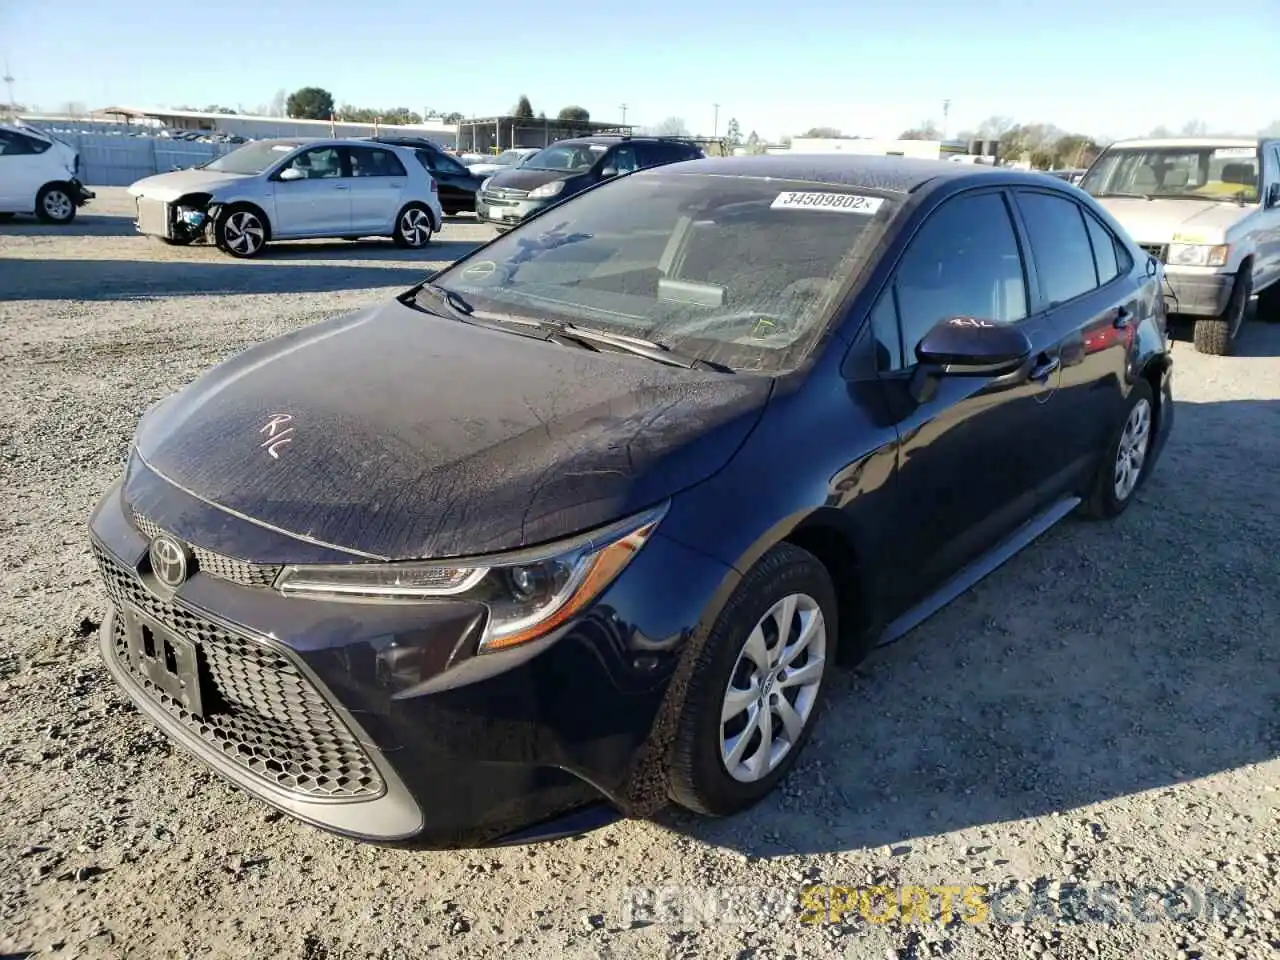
x=843 y=202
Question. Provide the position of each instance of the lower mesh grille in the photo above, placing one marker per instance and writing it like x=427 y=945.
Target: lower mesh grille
x=260 y=712
x=216 y=564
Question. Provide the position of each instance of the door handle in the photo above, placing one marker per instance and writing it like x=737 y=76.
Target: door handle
x=1046 y=368
x=1124 y=317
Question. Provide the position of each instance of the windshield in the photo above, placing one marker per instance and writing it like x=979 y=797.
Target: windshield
x=570 y=157
x=731 y=270
x=508 y=157
x=1200 y=172
x=252 y=158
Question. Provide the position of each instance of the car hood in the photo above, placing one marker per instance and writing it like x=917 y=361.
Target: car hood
x=1163 y=221
x=170 y=186
x=412 y=436
x=485 y=169
x=525 y=179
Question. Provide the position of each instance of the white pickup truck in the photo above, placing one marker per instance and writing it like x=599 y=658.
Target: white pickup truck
x=1209 y=209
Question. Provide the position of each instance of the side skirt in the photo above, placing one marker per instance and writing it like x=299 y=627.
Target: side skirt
x=1020 y=538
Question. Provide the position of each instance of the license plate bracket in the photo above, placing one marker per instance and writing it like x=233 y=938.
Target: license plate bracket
x=169 y=661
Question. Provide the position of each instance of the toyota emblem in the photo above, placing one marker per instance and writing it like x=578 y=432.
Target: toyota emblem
x=168 y=561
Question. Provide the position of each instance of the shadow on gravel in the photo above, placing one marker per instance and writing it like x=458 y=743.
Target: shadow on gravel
x=1107 y=660
x=121 y=279
x=84 y=225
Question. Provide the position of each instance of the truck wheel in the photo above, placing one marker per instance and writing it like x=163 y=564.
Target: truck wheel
x=5 y=217
x=54 y=204
x=1269 y=303
x=1214 y=335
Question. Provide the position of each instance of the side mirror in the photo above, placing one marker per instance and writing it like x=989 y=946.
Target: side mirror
x=967 y=347
x=1273 y=195
x=608 y=172
x=291 y=173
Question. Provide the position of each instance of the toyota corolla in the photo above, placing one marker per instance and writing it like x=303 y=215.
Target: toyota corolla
x=582 y=524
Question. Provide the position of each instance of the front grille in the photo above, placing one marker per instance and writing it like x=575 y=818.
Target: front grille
x=260 y=711
x=153 y=217
x=216 y=564
x=505 y=193
x=1158 y=250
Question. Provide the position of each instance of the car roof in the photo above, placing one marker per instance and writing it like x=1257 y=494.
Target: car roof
x=869 y=171
x=1155 y=142
x=612 y=138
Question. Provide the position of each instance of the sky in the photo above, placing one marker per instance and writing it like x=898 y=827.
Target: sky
x=1101 y=67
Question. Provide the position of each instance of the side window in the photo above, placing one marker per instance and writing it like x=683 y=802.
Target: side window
x=319 y=163
x=1060 y=245
x=623 y=159
x=1105 y=250
x=427 y=159
x=37 y=146
x=446 y=164
x=963 y=262
x=14 y=144
x=372 y=162
x=887 y=333
x=653 y=154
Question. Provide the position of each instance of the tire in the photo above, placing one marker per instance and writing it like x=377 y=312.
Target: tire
x=5 y=217
x=1109 y=497
x=241 y=231
x=698 y=768
x=414 y=227
x=1269 y=303
x=1215 y=335
x=55 y=205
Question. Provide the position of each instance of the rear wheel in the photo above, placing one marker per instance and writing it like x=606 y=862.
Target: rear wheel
x=5 y=217
x=1215 y=335
x=413 y=227
x=1124 y=464
x=240 y=231
x=755 y=691
x=54 y=204
x=1269 y=303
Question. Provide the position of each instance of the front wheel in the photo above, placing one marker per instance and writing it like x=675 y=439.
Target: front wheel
x=1124 y=463
x=54 y=205
x=413 y=227
x=1215 y=335
x=240 y=231
x=755 y=690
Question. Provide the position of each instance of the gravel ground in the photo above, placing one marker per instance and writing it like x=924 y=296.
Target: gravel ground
x=1105 y=709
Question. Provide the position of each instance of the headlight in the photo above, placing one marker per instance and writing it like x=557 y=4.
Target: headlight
x=528 y=592
x=546 y=190
x=1198 y=254
x=484 y=184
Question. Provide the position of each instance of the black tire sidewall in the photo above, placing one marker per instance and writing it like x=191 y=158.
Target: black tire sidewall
x=1104 y=503
x=43 y=215
x=698 y=779
x=399 y=237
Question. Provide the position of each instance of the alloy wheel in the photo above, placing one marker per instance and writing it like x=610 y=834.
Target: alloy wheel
x=243 y=232
x=773 y=688
x=57 y=205
x=1132 y=451
x=415 y=227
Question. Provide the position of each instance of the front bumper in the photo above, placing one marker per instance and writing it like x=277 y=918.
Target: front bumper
x=376 y=721
x=80 y=193
x=508 y=212
x=1200 y=293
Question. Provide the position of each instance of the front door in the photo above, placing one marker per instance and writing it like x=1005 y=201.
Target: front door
x=318 y=202
x=378 y=180
x=964 y=476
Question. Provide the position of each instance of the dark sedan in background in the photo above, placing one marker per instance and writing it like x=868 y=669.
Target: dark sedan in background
x=457 y=185
x=571 y=166
x=583 y=523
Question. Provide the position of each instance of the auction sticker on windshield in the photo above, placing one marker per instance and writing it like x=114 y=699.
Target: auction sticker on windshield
x=843 y=202
x=1224 y=153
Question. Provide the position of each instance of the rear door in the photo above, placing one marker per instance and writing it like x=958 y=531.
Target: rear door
x=965 y=477
x=378 y=180
x=1093 y=305
x=24 y=169
x=318 y=203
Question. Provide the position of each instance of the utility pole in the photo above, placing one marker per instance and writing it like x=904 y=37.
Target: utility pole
x=715 y=123
x=8 y=82
x=946 y=111
x=623 y=108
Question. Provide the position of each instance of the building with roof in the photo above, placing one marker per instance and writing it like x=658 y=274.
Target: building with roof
x=495 y=134
x=255 y=127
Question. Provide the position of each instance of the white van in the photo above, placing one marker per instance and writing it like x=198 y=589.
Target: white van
x=1209 y=209
x=40 y=175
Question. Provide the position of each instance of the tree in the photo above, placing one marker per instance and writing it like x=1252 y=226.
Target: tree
x=994 y=128
x=454 y=117
x=310 y=103
x=278 y=104
x=1041 y=159
x=671 y=127
x=523 y=109
x=754 y=144
x=822 y=133
x=733 y=134
x=1160 y=132
x=574 y=114
x=1195 y=128
x=1075 y=150
x=925 y=131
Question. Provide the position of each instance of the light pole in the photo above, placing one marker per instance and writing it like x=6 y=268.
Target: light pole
x=8 y=82
x=946 y=111
x=715 y=123
x=623 y=108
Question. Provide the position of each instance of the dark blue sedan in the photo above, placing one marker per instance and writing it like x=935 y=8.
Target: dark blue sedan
x=582 y=525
